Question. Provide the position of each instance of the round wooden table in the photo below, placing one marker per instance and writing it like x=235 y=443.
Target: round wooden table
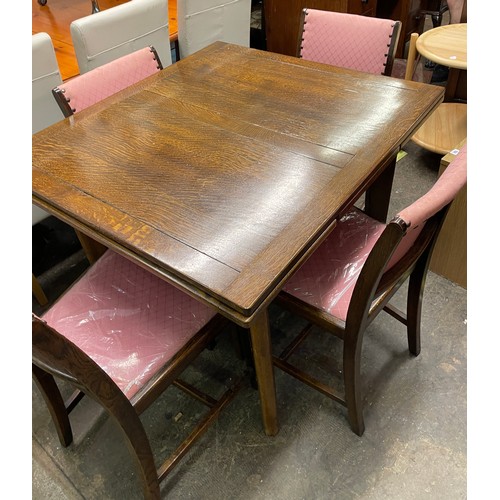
x=446 y=45
x=447 y=126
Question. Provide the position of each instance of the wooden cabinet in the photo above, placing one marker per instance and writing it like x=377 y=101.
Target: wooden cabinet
x=409 y=12
x=449 y=257
x=282 y=19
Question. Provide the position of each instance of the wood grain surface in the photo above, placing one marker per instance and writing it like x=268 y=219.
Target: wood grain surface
x=222 y=172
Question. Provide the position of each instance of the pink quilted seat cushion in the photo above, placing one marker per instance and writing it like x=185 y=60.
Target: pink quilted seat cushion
x=347 y=40
x=127 y=320
x=327 y=279
x=89 y=88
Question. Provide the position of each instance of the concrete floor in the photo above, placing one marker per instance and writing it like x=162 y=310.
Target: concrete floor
x=414 y=446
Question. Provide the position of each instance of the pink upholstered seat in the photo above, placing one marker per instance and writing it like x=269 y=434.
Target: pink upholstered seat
x=89 y=88
x=328 y=277
x=352 y=276
x=127 y=320
x=349 y=41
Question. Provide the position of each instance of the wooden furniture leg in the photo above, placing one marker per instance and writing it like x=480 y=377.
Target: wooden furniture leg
x=38 y=292
x=93 y=249
x=378 y=196
x=261 y=347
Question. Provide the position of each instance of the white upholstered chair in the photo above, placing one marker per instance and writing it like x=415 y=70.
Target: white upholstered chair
x=112 y=33
x=202 y=22
x=45 y=75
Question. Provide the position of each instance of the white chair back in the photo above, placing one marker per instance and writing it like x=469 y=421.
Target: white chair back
x=202 y=22
x=112 y=33
x=45 y=111
x=45 y=75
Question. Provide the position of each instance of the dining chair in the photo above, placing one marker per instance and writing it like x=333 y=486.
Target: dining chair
x=202 y=22
x=348 y=40
x=45 y=75
x=447 y=125
x=94 y=5
x=112 y=33
x=122 y=336
x=435 y=9
x=351 y=278
x=87 y=89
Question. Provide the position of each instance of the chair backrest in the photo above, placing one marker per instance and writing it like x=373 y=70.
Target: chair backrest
x=45 y=75
x=202 y=22
x=89 y=88
x=413 y=57
x=348 y=40
x=440 y=196
x=409 y=237
x=112 y=33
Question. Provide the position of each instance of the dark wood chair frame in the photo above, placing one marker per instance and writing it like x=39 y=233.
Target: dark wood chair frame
x=372 y=293
x=53 y=355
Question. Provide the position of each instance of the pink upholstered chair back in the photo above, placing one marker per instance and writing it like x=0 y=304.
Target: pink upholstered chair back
x=350 y=41
x=441 y=194
x=89 y=88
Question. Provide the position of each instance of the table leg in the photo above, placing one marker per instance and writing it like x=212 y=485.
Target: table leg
x=378 y=195
x=261 y=347
x=93 y=249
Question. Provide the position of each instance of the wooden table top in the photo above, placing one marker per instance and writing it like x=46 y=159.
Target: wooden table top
x=222 y=172
x=446 y=45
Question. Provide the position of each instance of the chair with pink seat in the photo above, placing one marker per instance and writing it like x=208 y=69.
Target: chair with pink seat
x=348 y=40
x=122 y=336
x=353 y=275
x=87 y=89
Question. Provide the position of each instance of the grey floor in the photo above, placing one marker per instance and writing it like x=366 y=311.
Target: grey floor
x=414 y=446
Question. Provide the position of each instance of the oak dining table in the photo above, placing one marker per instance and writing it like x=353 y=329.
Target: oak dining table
x=223 y=172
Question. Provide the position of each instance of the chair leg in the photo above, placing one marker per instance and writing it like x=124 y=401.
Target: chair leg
x=55 y=404
x=38 y=291
x=414 y=306
x=436 y=19
x=243 y=347
x=352 y=379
